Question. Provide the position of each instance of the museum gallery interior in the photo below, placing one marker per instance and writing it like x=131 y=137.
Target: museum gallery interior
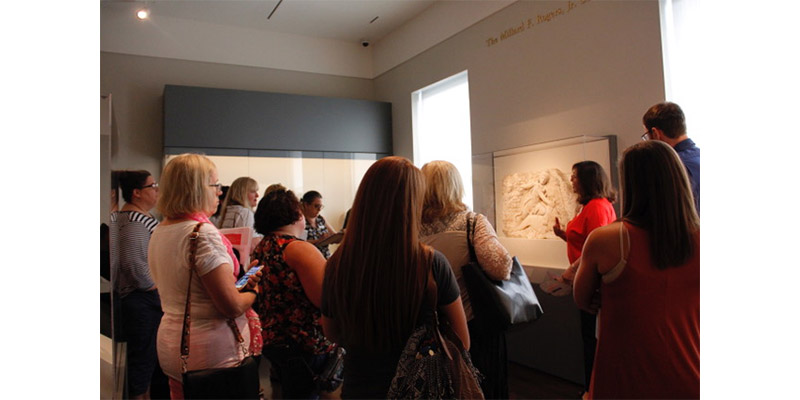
x=310 y=94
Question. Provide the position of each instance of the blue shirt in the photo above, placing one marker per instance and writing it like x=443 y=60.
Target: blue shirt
x=690 y=156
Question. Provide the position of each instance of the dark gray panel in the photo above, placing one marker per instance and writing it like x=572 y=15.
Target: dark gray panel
x=196 y=117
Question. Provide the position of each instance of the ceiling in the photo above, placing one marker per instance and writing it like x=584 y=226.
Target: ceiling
x=344 y=20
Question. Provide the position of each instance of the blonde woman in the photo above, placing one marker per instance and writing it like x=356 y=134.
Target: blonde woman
x=189 y=191
x=444 y=225
x=237 y=209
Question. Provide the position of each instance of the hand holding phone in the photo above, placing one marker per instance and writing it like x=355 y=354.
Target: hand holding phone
x=242 y=282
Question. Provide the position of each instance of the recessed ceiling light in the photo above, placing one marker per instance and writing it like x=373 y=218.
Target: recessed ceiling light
x=142 y=14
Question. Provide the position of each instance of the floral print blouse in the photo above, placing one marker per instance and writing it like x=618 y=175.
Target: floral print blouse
x=318 y=232
x=287 y=315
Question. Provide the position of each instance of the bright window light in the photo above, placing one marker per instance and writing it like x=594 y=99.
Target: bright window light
x=441 y=131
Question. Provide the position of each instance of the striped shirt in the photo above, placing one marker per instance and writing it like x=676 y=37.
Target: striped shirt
x=133 y=272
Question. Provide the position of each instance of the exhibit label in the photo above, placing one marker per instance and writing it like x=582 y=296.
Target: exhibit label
x=529 y=23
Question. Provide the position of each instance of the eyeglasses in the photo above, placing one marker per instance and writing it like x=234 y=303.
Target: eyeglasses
x=646 y=136
x=216 y=186
x=153 y=185
x=319 y=206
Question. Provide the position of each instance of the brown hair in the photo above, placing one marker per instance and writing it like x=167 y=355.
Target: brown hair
x=278 y=208
x=129 y=181
x=657 y=196
x=593 y=182
x=444 y=191
x=375 y=281
x=666 y=116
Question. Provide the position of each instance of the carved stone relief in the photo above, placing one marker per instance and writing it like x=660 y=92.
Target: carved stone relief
x=533 y=200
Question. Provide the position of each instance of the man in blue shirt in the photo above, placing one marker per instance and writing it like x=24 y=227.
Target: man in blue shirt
x=666 y=122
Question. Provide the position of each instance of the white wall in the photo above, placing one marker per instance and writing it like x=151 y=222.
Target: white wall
x=592 y=70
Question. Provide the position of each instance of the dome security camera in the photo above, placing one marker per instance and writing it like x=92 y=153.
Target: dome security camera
x=365 y=43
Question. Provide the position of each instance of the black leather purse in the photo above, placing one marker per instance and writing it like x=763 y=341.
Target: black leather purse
x=240 y=382
x=505 y=303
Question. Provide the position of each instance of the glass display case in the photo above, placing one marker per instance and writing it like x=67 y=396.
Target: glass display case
x=335 y=175
x=523 y=190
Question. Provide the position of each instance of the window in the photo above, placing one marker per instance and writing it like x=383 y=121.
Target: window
x=441 y=127
x=681 y=23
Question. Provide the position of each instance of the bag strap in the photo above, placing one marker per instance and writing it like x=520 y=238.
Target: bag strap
x=431 y=300
x=471 y=236
x=187 y=319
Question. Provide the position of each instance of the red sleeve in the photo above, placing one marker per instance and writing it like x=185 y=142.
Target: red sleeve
x=597 y=213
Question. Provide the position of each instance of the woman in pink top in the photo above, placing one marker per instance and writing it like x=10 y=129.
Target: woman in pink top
x=189 y=193
x=595 y=194
x=647 y=269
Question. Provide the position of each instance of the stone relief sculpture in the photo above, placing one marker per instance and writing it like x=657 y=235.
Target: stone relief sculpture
x=533 y=200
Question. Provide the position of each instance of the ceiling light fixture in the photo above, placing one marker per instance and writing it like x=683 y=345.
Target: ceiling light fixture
x=143 y=14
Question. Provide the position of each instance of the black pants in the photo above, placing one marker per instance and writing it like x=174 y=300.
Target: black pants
x=588 y=330
x=296 y=370
x=489 y=355
x=141 y=315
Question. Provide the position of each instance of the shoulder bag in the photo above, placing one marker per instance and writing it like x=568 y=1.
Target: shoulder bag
x=434 y=364
x=240 y=382
x=505 y=303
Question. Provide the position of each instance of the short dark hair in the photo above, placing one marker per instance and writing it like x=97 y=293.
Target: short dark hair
x=278 y=208
x=593 y=182
x=130 y=180
x=310 y=196
x=667 y=117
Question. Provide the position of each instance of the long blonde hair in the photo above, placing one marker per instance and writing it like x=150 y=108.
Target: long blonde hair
x=657 y=196
x=444 y=191
x=237 y=195
x=375 y=281
x=184 y=189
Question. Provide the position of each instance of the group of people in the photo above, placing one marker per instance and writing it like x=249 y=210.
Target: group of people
x=405 y=225
x=648 y=341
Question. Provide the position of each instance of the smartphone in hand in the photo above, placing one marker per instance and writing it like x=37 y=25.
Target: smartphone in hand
x=250 y=272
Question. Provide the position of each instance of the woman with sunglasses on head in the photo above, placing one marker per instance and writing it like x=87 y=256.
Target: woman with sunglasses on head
x=189 y=195
x=317 y=229
x=644 y=273
x=141 y=305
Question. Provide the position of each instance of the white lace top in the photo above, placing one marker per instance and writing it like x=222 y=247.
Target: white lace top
x=449 y=236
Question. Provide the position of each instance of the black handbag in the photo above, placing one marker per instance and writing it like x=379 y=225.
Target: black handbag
x=434 y=364
x=331 y=376
x=505 y=303
x=239 y=382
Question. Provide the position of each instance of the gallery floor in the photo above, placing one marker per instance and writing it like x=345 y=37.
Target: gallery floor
x=523 y=382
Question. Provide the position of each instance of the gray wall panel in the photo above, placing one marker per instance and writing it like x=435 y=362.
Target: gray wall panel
x=197 y=117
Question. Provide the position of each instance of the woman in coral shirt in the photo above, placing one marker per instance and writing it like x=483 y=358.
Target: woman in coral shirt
x=595 y=194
